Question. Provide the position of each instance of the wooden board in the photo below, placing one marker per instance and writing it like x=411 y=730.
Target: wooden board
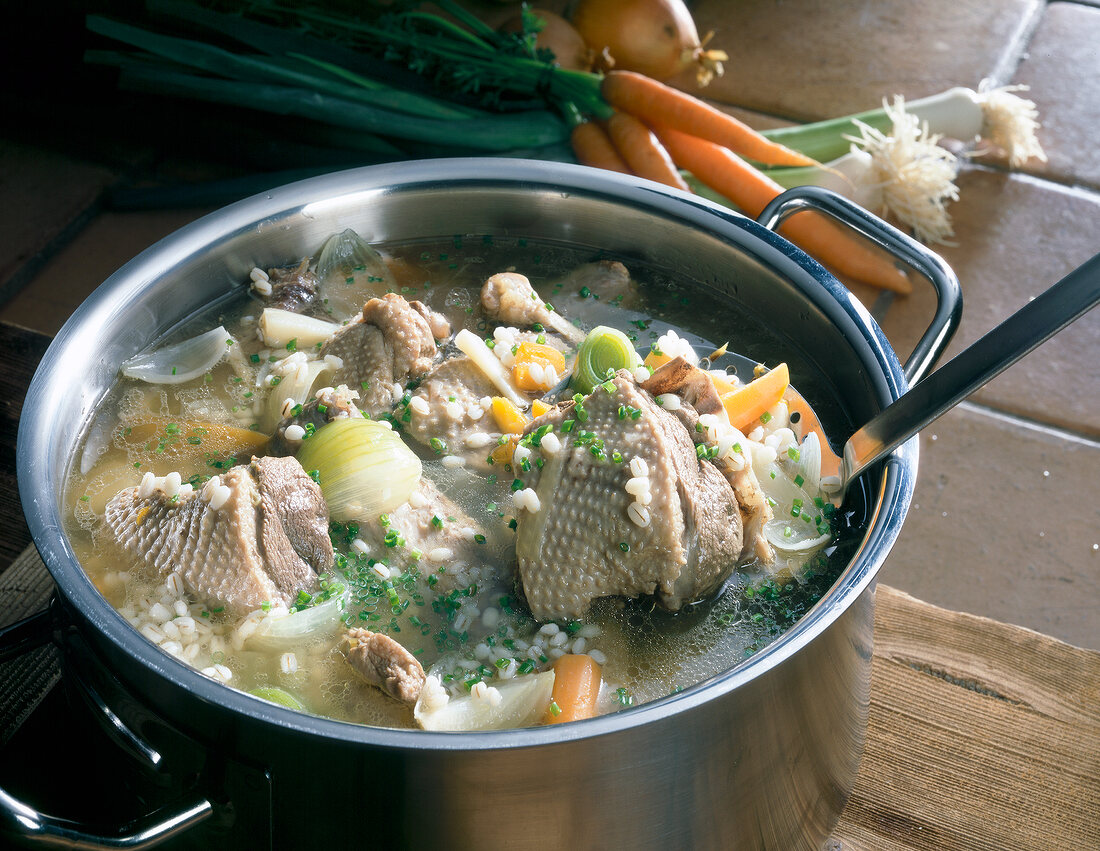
x=981 y=736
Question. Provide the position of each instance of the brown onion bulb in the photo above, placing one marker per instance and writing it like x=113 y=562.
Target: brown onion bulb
x=657 y=38
x=557 y=35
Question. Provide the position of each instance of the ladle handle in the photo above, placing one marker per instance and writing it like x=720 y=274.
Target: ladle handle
x=1040 y=319
x=948 y=293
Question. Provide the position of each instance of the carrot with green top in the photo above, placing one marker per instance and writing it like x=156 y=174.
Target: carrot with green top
x=642 y=151
x=592 y=146
x=751 y=191
x=658 y=104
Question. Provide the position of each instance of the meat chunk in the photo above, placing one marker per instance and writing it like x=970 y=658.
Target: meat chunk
x=696 y=390
x=452 y=405
x=383 y=662
x=327 y=404
x=607 y=280
x=258 y=533
x=688 y=382
x=293 y=288
x=622 y=506
x=388 y=345
x=509 y=297
x=434 y=526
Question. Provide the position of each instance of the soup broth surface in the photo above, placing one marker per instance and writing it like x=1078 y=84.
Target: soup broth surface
x=478 y=630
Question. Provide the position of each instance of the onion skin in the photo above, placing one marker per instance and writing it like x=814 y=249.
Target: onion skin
x=657 y=38
x=558 y=36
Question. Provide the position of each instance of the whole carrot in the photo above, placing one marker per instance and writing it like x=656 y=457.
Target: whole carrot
x=730 y=176
x=592 y=146
x=642 y=151
x=655 y=103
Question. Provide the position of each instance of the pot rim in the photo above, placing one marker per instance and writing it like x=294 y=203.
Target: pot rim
x=369 y=184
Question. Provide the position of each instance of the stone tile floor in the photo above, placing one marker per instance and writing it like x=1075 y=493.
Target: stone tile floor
x=1005 y=520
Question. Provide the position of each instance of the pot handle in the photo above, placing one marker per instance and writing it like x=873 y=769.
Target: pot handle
x=21 y=824
x=903 y=247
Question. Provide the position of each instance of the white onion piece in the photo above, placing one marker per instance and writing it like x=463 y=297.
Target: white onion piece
x=279 y=327
x=279 y=633
x=180 y=362
x=786 y=532
x=291 y=386
x=803 y=539
x=523 y=702
x=472 y=345
x=809 y=463
x=347 y=255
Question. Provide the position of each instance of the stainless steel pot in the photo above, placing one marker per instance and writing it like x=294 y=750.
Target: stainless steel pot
x=763 y=756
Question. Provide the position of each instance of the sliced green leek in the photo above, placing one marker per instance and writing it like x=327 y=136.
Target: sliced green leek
x=602 y=353
x=274 y=694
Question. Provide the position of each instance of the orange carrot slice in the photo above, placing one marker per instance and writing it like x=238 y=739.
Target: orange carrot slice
x=576 y=688
x=745 y=405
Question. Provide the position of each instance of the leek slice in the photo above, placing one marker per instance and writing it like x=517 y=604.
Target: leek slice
x=180 y=362
x=603 y=349
x=296 y=386
x=523 y=702
x=279 y=327
x=363 y=467
x=350 y=271
x=274 y=694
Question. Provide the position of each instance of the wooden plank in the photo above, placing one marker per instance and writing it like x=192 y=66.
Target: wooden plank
x=23 y=350
x=981 y=735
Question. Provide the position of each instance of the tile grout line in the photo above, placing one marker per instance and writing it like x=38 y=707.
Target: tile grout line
x=1030 y=424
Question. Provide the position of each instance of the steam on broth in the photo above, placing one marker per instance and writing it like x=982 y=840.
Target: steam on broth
x=499 y=485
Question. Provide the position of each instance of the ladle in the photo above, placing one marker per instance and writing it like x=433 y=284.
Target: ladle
x=937 y=393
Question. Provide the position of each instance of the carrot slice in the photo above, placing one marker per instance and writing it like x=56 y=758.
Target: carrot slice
x=746 y=405
x=508 y=417
x=576 y=688
x=592 y=146
x=529 y=354
x=655 y=103
x=654 y=360
x=541 y=354
x=642 y=151
x=729 y=175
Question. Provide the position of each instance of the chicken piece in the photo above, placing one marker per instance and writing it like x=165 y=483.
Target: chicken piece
x=451 y=405
x=659 y=521
x=257 y=534
x=509 y=297
x=383 y=662
x=387 y=346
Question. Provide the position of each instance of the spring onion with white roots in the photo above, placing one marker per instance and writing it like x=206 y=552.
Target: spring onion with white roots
x=901 y=172
x=993 y=114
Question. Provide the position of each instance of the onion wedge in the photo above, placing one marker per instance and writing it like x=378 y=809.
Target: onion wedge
x=180 y=362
